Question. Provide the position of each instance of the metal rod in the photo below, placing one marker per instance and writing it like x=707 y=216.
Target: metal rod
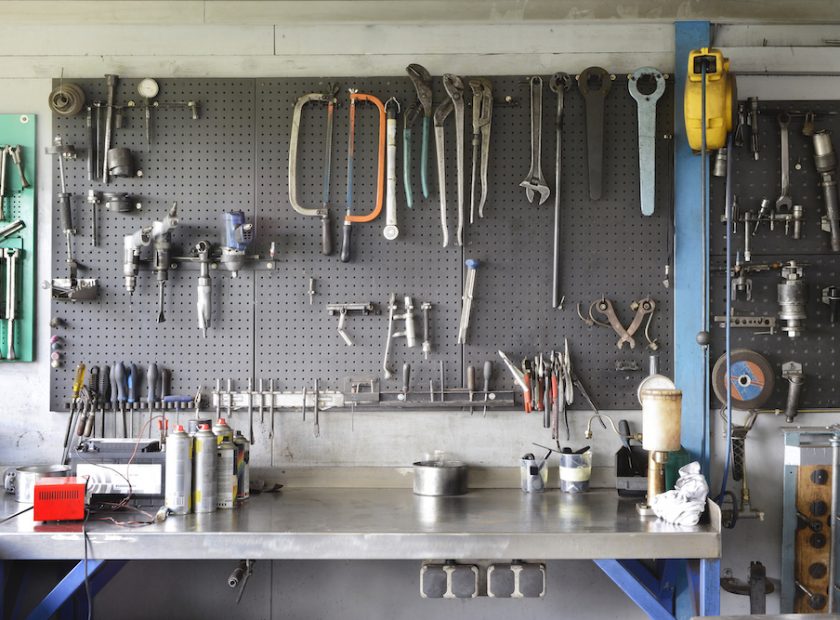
x=835 y=531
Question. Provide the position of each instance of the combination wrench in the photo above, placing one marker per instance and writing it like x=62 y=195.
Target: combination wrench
x=594 y=83
x=784 y=201
x=392 y=108
x=559 y=84
x=647 y=133
x=534 y=181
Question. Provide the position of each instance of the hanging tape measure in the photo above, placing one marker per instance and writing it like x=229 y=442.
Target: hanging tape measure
x=750 y=382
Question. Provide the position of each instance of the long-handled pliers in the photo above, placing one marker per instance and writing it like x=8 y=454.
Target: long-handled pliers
x=422 y=80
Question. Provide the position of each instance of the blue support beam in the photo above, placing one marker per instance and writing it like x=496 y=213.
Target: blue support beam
x=690 y=249
x=61 y=596
x=622 y=574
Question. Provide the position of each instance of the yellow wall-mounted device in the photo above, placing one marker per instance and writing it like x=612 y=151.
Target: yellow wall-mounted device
x=720 y=99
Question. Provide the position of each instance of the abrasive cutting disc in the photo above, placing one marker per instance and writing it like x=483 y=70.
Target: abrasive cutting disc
x=750 y=382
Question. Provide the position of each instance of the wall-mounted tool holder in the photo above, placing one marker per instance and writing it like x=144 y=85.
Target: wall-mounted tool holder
x=17 y=237
x=771 y=299
x=236 y=157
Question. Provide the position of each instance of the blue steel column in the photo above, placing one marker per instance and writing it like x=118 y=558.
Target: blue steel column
x=689 y=298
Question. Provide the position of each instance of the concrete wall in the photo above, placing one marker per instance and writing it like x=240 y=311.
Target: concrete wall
x=166 y=39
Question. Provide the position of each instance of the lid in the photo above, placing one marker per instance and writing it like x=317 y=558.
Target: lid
x=179 y=428
x=204 y=427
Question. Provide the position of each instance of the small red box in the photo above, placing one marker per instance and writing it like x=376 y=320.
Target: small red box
x=59 y=499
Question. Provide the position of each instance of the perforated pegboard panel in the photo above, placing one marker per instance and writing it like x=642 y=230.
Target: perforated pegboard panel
x=236 y=156
x=818 y=348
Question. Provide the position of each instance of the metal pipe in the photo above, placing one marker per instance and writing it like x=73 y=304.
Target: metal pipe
x=835 y=531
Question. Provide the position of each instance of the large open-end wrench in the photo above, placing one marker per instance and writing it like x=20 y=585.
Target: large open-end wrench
x=482 y=115
x=559 y=84
x=323 y=212
x=594 y=84
x=443 y=110
x=422 y=81
x=535 y=182
x=784 y=201
x=647 y=133
x=454 y=87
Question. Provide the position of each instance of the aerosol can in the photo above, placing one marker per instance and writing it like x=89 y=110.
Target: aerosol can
x=243 y=467
x=237 y=235
x=225 y=474
x=222 y=431
x=178 y=489
x=204 y=470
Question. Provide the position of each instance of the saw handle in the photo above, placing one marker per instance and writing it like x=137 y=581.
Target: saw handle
x=326 y=235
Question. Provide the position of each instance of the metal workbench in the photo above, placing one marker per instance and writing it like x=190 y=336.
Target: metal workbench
x=367 y=524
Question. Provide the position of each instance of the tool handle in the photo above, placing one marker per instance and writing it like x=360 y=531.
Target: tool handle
x=89 y=420
x=409 y=193
x=165 y=383
x=406 y=378
x=624 y=430
x=488 y=374
x=345 y=242
x=391 y=230
x=471 y=379
x=104 y=387
x=79 y=380
x=65 y=213
x=326 y=234
x=424 y=157
x=80 y=423
x=116 y=384
x=93 y=382
x=133 y=384
x=151 y=381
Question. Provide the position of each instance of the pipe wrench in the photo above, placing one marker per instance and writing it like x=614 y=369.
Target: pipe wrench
x=482 y=115
x=454 y=87
x=422 y=81
x=534 y=181
x=647 y=133
x=559 y=84
x=323 y=212
x=594 y=83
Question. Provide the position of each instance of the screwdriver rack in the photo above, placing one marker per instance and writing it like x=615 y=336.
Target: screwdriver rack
x=19 y=204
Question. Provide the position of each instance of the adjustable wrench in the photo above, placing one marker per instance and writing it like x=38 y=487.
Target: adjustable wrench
x=482 y=115
x=647 y=133
x=594 y=84
x=454 y=87
x=784 y=201
x=534 y=181
x=11 y=256
x=111 y=83
x=392 y=108
x=422 y=81
x=559 y=84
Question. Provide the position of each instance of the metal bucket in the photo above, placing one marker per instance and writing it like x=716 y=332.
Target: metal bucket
x=20 y=481
x=440 y=478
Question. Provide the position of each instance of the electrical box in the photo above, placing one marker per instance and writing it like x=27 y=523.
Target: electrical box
x=59 y=499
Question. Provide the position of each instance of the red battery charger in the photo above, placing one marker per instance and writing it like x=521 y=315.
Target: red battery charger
x=59 y=499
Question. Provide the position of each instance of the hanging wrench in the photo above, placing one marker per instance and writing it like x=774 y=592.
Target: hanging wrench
x=412 y=113
x=534 y=181
x=605 y=307
x=559 y=84
x=784 y=201
x=594 y=84
x=392 y=108
x=454 y=87
x=482 y=115
x=422 y=81
x=443 y=110
x=647 y=133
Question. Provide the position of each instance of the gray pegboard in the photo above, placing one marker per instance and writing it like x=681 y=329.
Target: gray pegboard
x=236 y=156
x=817 y=349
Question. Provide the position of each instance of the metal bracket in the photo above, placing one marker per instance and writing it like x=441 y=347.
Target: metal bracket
x=342 y=310
x=751 y=322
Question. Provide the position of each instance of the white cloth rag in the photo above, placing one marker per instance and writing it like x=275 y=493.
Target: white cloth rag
x=684 y=504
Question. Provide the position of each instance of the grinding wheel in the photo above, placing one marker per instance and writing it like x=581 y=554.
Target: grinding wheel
x=750 y=382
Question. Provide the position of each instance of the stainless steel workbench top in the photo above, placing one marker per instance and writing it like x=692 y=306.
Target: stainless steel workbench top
x=361 y=524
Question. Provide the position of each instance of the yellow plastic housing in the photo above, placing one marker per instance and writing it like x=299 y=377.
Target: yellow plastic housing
x=720 y=99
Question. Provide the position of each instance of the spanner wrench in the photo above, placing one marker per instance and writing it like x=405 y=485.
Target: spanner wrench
x=392 y=108
x=647 y=133
x=454 y=87
x=534 y=181
x=784 y=201
x=559 y=84
x=594 y=84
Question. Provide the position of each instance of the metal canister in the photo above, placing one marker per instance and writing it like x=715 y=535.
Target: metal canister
x=194 y=423
x=179 y=456
x=225 y=474
x=243 y=467
x=222 y=430
x=204 y=470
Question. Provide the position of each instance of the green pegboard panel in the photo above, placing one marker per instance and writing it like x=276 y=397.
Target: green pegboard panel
x=19 y=204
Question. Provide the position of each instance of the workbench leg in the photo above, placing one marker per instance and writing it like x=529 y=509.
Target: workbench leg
x=636 y=585
x=100 y=573
x=710 y=587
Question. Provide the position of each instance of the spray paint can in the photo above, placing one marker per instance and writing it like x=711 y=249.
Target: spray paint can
x=194 y=423
x=179 y=457
x=222 y=431
x=204 y=470
x=243 y=467
x=225 y=474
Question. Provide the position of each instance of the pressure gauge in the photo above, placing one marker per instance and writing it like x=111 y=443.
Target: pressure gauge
x=148 y=88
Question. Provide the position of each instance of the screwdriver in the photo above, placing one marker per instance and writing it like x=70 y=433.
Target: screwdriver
x=471 y=384
x=104 y=389
x=133 y=393
x=406 y=380
x=526 y=371
x=488 y=373
x=78 y=382
x=165 y=390
x=93 y=388
x=118 y=393
x=151 y=383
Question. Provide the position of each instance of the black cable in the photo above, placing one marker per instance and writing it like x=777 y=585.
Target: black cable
x=86 y=541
